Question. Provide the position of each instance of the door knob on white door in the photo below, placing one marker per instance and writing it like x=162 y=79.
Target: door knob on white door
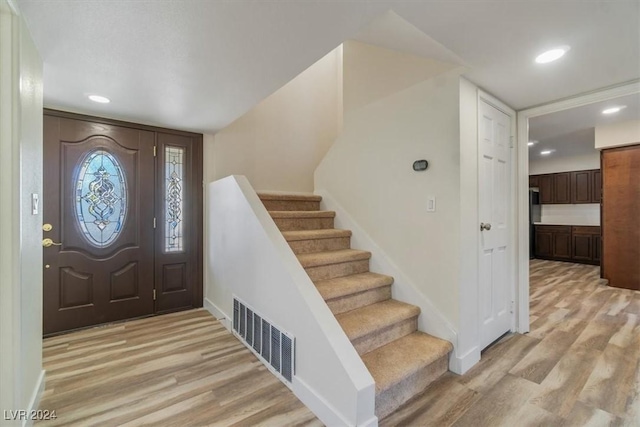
x=484 y=226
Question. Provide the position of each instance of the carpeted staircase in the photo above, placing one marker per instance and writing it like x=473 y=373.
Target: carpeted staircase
x=402 y=360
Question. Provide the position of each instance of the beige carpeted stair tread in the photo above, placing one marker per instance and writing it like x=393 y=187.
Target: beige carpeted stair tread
x=316 y=259
x=286 y=196
x=348 y=285
x=401 y=358
x=302 y=214
x=363 y=321
x=329 y=233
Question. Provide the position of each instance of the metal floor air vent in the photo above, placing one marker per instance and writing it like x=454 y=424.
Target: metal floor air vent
x=275 y=347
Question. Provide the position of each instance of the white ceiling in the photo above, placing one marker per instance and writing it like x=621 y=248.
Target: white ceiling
x=571 y=132
x=199 y=65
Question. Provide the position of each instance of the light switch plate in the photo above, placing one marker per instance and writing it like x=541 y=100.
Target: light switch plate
x=431 y=204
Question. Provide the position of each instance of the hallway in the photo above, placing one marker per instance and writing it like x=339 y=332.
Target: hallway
x=579 y=365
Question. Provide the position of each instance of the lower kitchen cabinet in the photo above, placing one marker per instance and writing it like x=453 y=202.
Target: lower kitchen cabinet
x=568 y=243
x=562 y=245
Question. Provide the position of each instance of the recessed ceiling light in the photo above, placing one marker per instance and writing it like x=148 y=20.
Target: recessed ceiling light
x=531 y=143
x=100 y=99
x=613 y=110
x=546 y=152
x=552 y=55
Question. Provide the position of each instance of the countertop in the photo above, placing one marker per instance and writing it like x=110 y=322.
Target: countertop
x=571 y=224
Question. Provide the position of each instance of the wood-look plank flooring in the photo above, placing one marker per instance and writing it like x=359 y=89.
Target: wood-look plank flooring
x=578 y=366
x=181 y=369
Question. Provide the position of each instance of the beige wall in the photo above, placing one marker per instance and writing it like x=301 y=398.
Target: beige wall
x=20 y=230
x=372 y=73
x=618 y=134
x=565 y=163
x=368 y=170
x=278 y=144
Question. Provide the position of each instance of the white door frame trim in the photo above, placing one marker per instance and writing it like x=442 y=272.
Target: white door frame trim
x=522 y=306
x=513 y=234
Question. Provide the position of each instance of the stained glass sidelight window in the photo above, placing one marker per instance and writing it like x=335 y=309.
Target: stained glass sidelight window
x=174 y=195
x=101 y=198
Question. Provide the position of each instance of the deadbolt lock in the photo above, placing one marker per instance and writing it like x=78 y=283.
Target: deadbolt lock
x=47 y=227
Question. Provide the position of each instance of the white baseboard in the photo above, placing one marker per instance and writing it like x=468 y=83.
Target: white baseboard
x=372 y=422
x=217 y=313
x=461 y=364
x=36 y=396
x=322 y=409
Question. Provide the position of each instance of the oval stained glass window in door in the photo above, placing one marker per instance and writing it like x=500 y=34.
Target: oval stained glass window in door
x=100 y=198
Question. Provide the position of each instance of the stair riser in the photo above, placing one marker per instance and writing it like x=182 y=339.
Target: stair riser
x=390 y=399
x=325 y=272
x=292 y=224
x=376 y=339
x=361 y=299
x=291 y=205
x=320 y=245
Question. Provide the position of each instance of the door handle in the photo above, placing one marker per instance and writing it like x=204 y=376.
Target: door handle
x=48 y=243
x=484 y=226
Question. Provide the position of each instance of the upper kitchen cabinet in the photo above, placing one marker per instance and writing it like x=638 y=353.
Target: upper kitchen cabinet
x=545 y=182
x=568 y=187
x=596 y=186
x=562 y=188
x=581 y=191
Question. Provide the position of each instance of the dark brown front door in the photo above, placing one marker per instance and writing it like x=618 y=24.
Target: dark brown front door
x=99 y=191
x=125 y=222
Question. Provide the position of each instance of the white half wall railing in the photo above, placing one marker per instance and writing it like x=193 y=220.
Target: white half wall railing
x=430 y=320
x=248 y=257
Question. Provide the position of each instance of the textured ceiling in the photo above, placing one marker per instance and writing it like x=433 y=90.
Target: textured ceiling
x=199 y=65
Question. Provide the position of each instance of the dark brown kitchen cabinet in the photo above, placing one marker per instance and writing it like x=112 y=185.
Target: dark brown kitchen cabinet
x=546 y=189
x=596 y=186
x=596 y=250
x=568 y=187
x=544 y=243
x=579 y=244
x=581 y=191
x=582 y=247
x=562 y=245
x=534 y=181
x=562 y=188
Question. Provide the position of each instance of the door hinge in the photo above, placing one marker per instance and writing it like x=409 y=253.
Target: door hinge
x=154 y=222
x=511 y=142
x=513 y=306
x=154 y=294
x=155 y=151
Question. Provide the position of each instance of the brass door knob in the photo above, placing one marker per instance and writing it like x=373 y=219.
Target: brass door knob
x=48 y=243
x=47 y=227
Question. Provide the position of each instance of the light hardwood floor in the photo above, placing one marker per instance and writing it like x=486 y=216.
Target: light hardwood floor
x=181 y=369
x=579 y=365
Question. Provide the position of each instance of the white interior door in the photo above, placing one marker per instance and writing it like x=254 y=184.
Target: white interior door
x=495 y=292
